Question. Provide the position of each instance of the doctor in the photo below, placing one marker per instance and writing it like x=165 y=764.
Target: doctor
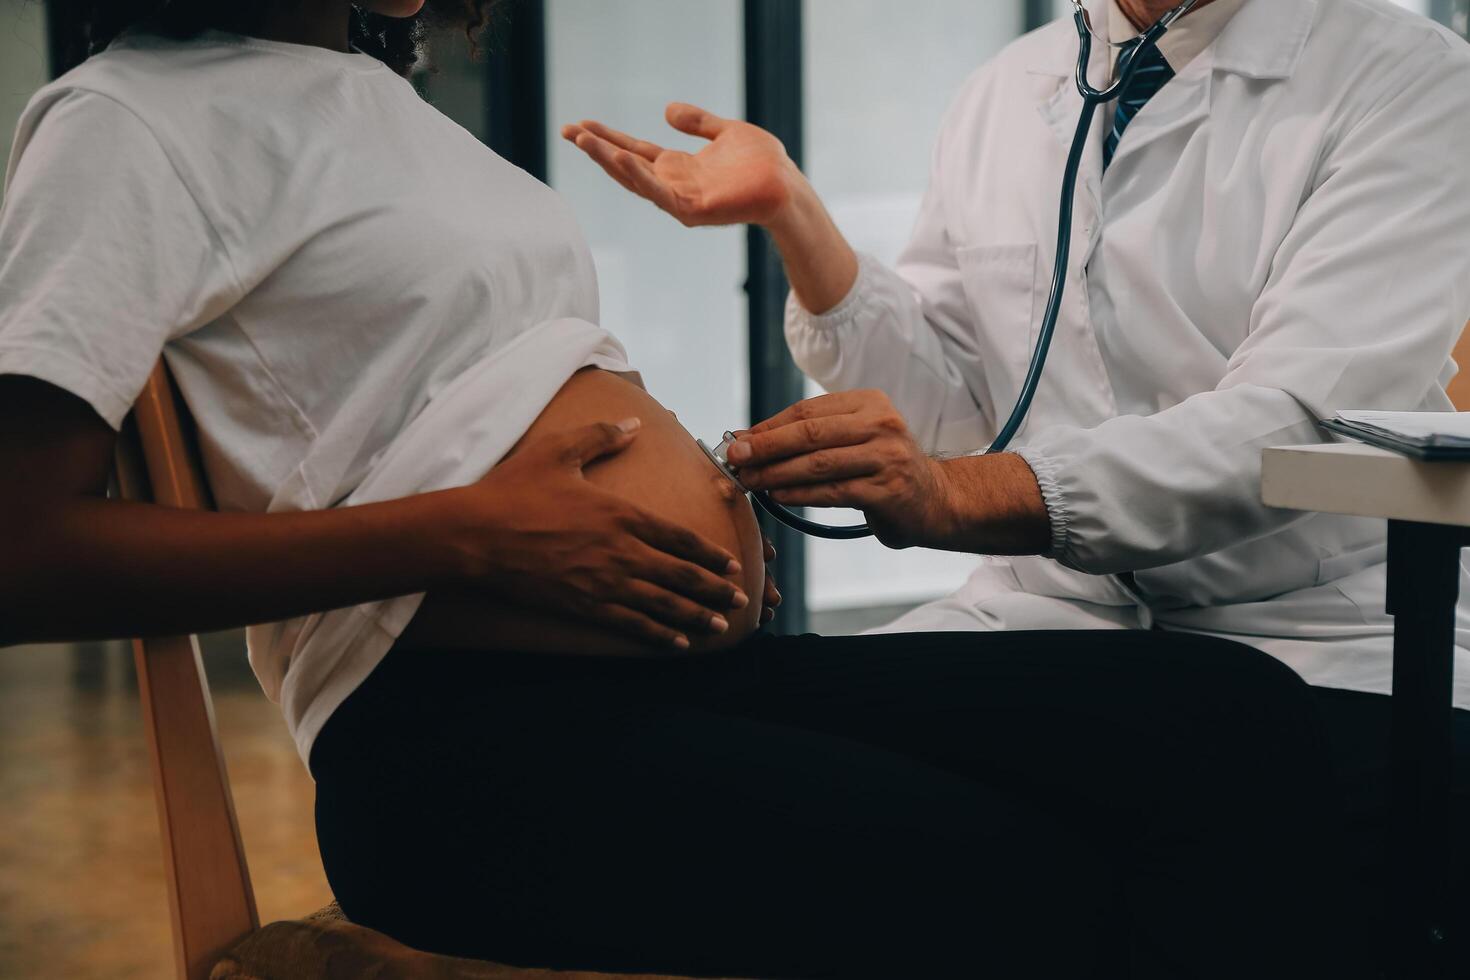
x=1271 y=226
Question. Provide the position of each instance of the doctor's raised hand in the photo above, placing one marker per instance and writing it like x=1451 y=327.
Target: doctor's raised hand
x=742 y=176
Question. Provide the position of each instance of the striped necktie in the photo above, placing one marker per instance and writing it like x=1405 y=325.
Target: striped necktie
x=1152 y=74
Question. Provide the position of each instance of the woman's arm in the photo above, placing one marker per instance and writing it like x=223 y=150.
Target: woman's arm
x=76 y=565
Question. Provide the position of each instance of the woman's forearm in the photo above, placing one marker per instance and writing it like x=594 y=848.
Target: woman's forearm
x=92 y=568
x=820 y=264
x=75 y=565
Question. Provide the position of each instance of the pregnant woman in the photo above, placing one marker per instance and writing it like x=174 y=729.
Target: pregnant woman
x=513 y=611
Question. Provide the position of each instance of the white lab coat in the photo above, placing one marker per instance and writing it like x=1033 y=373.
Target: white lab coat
x=1284 y=232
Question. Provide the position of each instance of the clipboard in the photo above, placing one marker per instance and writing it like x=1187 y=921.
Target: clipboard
x=1427 y=450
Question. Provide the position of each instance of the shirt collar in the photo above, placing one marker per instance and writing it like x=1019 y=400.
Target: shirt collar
x=1187 y=39
x=1264 y=39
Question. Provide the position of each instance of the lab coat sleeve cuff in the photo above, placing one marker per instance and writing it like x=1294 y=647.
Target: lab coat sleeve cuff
x=798 y=318
x=1046 y=469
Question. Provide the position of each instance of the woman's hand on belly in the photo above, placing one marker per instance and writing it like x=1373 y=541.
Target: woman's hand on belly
x=772 y=594
x=536 y=533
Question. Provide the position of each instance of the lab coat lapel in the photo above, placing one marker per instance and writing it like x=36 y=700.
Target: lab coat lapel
x=1264 y=40
x=1061 y=112
x=1183 y=103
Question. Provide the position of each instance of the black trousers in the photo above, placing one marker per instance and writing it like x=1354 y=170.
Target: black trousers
x=1051 y=805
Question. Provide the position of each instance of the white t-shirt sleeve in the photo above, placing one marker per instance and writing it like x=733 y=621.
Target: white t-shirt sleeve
x=104 y=253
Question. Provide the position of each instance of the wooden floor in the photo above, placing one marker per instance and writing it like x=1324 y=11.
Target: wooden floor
x=81 y=874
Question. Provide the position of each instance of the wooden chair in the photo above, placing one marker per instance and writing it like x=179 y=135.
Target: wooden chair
x=215 y=925
x=1460 y=387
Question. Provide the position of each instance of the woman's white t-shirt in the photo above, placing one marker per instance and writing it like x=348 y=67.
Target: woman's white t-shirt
x=359 y=300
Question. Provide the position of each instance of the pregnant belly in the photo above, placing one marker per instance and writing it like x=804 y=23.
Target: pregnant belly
x=664 y=472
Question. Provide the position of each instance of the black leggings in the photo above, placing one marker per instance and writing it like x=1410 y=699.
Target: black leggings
x=1057 y=805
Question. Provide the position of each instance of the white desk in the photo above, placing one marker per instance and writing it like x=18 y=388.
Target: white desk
x=1354 y=479
x=1427 y=506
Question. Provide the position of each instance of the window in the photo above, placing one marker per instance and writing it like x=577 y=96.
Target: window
x=875 y=68
x=1451 y=13
x=24 y=63
x=672 y=295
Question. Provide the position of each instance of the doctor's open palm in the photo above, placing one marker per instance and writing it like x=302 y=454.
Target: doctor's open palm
x=742 y=176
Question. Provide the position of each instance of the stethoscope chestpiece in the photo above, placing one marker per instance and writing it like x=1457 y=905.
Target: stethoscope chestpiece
x=720 y=456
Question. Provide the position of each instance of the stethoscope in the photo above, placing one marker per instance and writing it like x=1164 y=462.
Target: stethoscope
x=1131 y=51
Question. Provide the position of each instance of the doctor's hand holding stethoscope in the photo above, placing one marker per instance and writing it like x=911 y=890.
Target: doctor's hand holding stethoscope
x=850 y=449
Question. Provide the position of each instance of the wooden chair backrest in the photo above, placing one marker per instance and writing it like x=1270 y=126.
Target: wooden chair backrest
x=210 y=897
x=1460 y=387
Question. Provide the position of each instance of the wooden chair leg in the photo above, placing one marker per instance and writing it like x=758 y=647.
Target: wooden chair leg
x=210 y=896
x=211 y=901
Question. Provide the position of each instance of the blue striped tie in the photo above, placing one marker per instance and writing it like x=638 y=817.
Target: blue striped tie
x=1152 y=74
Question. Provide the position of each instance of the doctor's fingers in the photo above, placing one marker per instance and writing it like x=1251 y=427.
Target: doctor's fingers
x=601 y=155
x=695 y=121
x=837 y=403
x=643 y=148
x=618 y=162
x=861 y=494
x=821 y=466
x=629 y=169
x=761 y=448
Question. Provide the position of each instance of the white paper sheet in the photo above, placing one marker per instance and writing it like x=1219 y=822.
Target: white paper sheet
x=1414 y=425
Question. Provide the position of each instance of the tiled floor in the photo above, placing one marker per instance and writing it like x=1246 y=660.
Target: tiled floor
x=81 y=874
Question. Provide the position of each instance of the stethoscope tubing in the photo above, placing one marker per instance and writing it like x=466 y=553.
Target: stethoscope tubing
x=812 y=529
x=1091 y=99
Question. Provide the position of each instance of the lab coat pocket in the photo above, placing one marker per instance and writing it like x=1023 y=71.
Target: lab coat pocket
x=1000 y=288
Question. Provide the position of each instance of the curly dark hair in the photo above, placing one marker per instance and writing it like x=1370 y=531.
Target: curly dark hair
x=393 y=40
